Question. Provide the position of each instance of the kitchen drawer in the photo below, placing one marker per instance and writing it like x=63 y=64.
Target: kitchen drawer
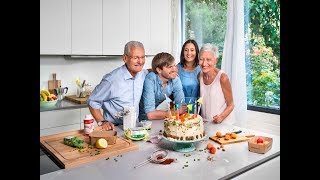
x=50 y=119
x=61 y=129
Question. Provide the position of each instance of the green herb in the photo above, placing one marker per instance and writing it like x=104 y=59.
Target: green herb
x=73 y=141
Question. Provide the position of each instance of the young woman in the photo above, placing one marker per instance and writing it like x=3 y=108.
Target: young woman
x=188 y=70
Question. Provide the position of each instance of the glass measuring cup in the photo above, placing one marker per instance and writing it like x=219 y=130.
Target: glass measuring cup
x=157 y=156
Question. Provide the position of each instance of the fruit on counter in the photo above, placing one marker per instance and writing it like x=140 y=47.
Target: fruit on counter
x=233 y=135
x=227 y=137
x=259 y=140
x=101 y=143
x=209 y=145
x=73 y=141
x=219 y=134
x=212 y=150
x=46 y=96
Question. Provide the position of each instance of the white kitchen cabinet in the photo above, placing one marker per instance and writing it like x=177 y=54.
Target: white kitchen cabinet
x=103 y=27
x=55 y=27
x=86 y=27
x=160 y=26
x=140 y=22
x=115 y=26
x=59 y=121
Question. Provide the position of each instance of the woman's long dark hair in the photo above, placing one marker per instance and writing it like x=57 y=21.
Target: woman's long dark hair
x=182 y=60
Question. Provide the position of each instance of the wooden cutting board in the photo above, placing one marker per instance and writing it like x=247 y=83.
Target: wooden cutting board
x=52 y=84
x=76 y=99
x=240 y=138
x=69 y=157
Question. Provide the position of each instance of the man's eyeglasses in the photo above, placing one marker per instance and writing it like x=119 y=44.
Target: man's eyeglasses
x=137 y=57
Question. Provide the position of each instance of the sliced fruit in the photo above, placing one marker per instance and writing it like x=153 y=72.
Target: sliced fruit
x=101 y=143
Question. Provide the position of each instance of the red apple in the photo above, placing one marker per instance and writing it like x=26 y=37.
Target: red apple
x=259 y=140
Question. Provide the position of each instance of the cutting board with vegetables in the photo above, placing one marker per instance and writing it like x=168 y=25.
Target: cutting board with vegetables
x=69 y=157
x=240 y=138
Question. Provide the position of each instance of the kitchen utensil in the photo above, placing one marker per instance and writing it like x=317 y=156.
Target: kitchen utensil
x=240 y=138
x=157 y=156
x=61 y=91
x=76 y=99
x=68 y=157
x=53 y=84
x=237 y=132
x=81 y=90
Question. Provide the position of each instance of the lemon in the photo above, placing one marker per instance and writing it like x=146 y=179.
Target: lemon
x=101 y=143
x=78 y=82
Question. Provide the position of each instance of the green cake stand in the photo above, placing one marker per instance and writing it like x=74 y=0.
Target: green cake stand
x=183 y=146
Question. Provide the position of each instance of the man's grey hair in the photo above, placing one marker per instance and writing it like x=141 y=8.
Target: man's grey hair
x=132 y=44
x=210 y=48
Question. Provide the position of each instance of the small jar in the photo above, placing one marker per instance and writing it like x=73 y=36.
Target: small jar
x=88 y=124
x=81 y=92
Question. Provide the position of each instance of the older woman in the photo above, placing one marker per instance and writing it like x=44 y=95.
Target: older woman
x=215 y=87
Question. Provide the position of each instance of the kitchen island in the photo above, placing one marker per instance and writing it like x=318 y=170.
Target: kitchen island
x=235 y=160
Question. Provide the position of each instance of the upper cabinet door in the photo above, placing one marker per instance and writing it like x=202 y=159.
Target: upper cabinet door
x=86 y=27
x=140 y=22
x=160 y=26
x=55 y=27
x=116 y=26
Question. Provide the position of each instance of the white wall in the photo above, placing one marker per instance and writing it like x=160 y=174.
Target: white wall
x=67 y=70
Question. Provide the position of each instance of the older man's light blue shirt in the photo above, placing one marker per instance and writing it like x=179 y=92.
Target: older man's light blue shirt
x=153 y=94
x=117 y=89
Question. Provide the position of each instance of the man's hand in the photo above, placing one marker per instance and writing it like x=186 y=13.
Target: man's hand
x=107 y=125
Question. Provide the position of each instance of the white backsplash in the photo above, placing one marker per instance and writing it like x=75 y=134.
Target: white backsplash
x=67 y=70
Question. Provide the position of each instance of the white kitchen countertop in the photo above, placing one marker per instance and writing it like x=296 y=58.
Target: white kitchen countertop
x=236 y=159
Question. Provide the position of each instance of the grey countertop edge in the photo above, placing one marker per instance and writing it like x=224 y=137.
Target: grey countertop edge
x=64 y=104
x=251 y=166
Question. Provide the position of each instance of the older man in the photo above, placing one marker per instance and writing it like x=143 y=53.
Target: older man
x=120 y=88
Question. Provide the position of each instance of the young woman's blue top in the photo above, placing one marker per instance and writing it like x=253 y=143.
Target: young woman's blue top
x=190 y=83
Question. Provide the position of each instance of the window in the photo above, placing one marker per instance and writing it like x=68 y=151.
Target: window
x=205 y=21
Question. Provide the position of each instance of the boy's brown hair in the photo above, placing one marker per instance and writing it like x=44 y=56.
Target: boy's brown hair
x=160 y=60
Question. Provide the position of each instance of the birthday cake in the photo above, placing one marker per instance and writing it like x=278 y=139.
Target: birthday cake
x=185 y=128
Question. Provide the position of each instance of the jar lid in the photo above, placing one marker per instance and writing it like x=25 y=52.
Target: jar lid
x=88 y=116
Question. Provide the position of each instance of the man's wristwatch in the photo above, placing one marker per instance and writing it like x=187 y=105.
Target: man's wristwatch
x=101 y=122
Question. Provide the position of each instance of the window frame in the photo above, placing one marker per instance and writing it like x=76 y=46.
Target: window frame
x=249 y=107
